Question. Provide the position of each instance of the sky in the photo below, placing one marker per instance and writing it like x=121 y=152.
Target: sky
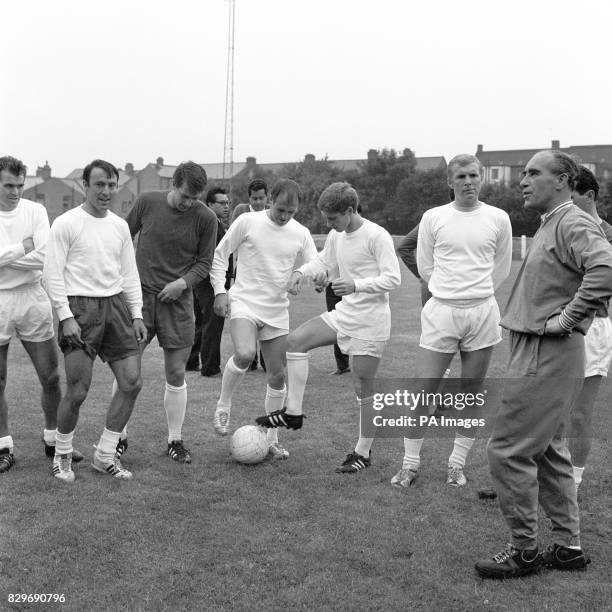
x=130 y=81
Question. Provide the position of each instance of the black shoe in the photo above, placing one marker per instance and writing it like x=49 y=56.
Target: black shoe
x=564 y=558
x=341 y=371
x=511 y=563
x=354 y=462
x=7 y=460
x=192 y=366
x=122 y=446
x=280 y=418
x=178 y=452
x=50 y=452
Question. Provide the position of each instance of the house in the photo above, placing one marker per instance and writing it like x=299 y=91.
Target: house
x=506 y=166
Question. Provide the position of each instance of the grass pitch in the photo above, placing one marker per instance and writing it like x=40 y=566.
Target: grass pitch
x=216 y=535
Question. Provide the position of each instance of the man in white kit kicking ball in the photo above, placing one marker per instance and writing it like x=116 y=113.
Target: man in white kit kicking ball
x=268 y=243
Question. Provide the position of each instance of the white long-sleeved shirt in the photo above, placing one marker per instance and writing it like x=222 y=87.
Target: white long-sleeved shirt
x=92 y=257
x=27 y=220
x=267 y=253
x=464 y=255
x=367 y=256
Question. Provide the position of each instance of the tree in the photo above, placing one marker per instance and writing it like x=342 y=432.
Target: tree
x=509 y=198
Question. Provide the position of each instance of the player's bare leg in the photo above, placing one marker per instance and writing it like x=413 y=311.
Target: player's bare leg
x=244 y=338
x=275 y=356
x=365 y=368
x=474 y=366
x=79 y=368
x=6 y=442
x=580 y=430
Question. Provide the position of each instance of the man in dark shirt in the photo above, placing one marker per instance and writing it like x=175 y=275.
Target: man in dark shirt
x=565 y=278
x=208 y=325
x=176 y=242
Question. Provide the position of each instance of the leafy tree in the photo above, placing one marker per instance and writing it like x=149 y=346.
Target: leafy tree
x=508 y=198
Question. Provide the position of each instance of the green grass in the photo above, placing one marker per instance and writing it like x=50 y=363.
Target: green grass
x=292 y=535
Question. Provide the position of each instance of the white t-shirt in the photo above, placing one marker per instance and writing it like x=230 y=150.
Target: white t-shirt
x=92 y=257
x=28 y=219
x=267 y=253
x=464 y=255
x=367 y=256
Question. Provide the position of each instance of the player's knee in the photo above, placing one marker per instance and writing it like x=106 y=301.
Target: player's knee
x=76 y=394
x=578 y=422
x=243 y=357
x=295 y=344
x=131 y=385
x=51 y=381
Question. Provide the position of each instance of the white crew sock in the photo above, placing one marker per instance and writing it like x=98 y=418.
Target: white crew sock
x=364 y=445
x=274 y=401
x=460 y=452
x=297 y=375
x=7 y=442
x=412 y=453
x=63 y=443
x=175 y=404
x=115 y=389
x=578 y=472
x=49 y=436
x=232 y=375
x=107 y=445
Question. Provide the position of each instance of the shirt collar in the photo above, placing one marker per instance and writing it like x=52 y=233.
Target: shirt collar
x=549 y=214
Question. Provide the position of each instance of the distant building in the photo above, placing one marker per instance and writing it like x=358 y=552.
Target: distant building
x=506 y=166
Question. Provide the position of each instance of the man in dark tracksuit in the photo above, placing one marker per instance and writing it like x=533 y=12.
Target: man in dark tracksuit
x=407 y=251
x=565 y=278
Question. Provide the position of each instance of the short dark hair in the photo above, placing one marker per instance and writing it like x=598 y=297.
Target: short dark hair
x=13 y=165
x=586 y=181
x=213 y=193
x=191 y=174
x=562 y=163
x=107 y=167
x=288 y=187
x=256 y=185
x=337 y=198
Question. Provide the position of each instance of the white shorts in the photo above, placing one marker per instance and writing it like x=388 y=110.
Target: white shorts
x=598 y=347
x=25 y=312
x=239 y=310
x=353 y=346
x=446 y=328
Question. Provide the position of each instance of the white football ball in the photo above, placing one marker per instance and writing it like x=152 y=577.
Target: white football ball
x=249 y=444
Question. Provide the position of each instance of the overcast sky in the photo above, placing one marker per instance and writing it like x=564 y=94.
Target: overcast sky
x=129 y=81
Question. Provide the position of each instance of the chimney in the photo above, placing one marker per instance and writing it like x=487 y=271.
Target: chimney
x=478 y=150
x=309 y=158
x=129 y=169
x=251 y=162
x=159 y=163
x=555 y=145
x=44 y=172
x=372 y=154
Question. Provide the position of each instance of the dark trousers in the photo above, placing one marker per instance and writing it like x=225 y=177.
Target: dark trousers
x=331 y=299
x=209 y=329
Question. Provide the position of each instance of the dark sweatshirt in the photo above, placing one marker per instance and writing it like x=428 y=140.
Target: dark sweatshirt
x=171 y=244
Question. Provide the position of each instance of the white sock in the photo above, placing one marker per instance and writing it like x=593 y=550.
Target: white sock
x=7 y=442
x=460 y=452
x=63 y=443
x=578 y=471
x=108 y=443
x=232 y=375
x=274 y=401
x=364 y=445
x=49 y=436
x=412 y=453
x=175 y=404
x=297 y=375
